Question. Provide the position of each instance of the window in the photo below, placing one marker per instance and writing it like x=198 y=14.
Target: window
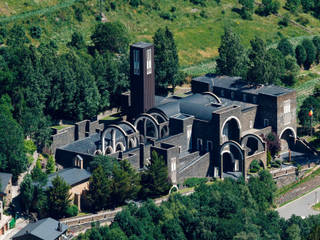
x=286 y=106
x=244 y=96
x=216 y=172
x=254 y=99
x=266 y=122
x=232 y=95
x=136 y=62
x=222 y=93
x=199 y=144
x=209 y=146
x=149 y=67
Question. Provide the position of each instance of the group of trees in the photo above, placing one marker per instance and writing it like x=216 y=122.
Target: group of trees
x=228 y=210
x=312 y=6
x=266 y=8
x=262 y=65
x=44 y=83
x=113 y=183
x=258 y=65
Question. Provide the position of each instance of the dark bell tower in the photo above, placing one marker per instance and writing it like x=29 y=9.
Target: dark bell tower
x=142 y=83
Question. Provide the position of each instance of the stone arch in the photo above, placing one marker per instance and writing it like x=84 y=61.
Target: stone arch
x=230 y=129
x=130 y=125
x=147 y=121
x=97 y=152
x=287 y=142
x=259 y=162
x=214 y=96
x=232 y=157
x=159 y=117
x=112 y=129
x=172 y=188
x=108 y=150
x=252 y=143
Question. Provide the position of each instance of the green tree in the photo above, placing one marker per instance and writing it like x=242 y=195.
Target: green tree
x=38 y=175
x=51 y=165
x=301 y=55
x=310 y=51
x=292 y=69
x=12 y=153
x=293 y=5
x=316 y=42
x=111 y=36
x=155 y=180
x=77 y=41
x=293 y=232
x=285 y=47
x=166 y=61
x=309 y=103
x=232 y=60
x=17 y=36
x=99 y=189
x=307 y=5
x=58 y=198
x=105 y=161
x=26 y=193
x=268 y=7
x=125 y=183
x=247 y=8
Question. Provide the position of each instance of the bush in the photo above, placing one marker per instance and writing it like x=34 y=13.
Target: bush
x=72 y=211
x=135 y=3
x=203 y=14
x=193 y=182
x=173 y=9
x=35 y=32
x=29 y=146
x=167 y=16
x=3 y=32
x=303 y=20
x=78 y=14
x=113 y=5
x=199 y=2
x=284 y=21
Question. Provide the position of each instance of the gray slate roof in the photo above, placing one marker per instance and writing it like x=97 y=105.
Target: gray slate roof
x=71 y=176
x=87 y=145
x=46 y=229
x=4 y=178
x=235 y=83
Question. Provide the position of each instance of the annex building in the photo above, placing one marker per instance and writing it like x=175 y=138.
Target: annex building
x=216 y=130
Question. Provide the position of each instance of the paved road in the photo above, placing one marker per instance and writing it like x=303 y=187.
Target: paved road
x=302 y=206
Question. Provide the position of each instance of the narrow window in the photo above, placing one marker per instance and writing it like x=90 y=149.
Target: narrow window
x=209 y=146
x=244 y=97
x=286 y=106
x=136 y=62
x=266 y=122
x=254 y=99
x=149 y=67
x=199 y=144
x=232 y=95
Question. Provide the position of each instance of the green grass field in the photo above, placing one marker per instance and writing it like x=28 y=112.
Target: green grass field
x=197 y=35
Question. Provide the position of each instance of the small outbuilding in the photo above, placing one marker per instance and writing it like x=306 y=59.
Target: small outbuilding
x=44 y=229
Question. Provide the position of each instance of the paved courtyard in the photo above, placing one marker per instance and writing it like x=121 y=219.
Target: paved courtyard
x=302 y=206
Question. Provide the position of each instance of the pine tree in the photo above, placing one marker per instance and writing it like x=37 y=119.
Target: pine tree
x=247 y=8
x=166 y=61
x=316 y=42
x=292 y=5
x=155 y=180
x=51 y=167
x=58 y=198
x=232 y=60
x=26 y=193
x=99 y=190
x=285 y=47
x=301 y=55
x=310 y=51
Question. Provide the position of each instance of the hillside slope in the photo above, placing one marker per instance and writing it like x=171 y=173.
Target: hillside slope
x=197 y=29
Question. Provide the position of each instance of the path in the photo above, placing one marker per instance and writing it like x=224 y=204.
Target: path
x=302 y=206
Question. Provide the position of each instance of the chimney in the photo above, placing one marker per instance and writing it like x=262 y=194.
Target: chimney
x=142 y=82
x=59 y=227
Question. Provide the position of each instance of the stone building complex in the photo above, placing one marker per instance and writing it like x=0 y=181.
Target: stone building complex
x=216 y=130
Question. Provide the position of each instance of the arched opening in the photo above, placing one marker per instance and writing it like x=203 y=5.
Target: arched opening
x=140 y=126
x=231 y=130
x=228 y=165
x=255 y=166
x=111 y=137
x=109 y=150
x=151 y=129
x=164 y=131
x=252 y=146
x=287 y=138
x=159 y=117
x=120 y=147
x=132 y=143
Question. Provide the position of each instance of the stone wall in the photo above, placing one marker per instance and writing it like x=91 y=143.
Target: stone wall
x=199 y=168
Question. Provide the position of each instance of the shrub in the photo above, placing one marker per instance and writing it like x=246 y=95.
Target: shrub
x=199 y=2
x=167 y=16
x=72 y=211
x=113 y=5
x=203 y=14
x=156 y=6
x=3 y=32
x=135 y=3
x=35 y=32
x=284 y=21
x=78 y=14
x=303 y=20
x=193 y=182
x=255 y=166
x=29 y=146
x=173 y=9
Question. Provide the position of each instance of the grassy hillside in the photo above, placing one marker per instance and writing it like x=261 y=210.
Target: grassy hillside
x=197 y=29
